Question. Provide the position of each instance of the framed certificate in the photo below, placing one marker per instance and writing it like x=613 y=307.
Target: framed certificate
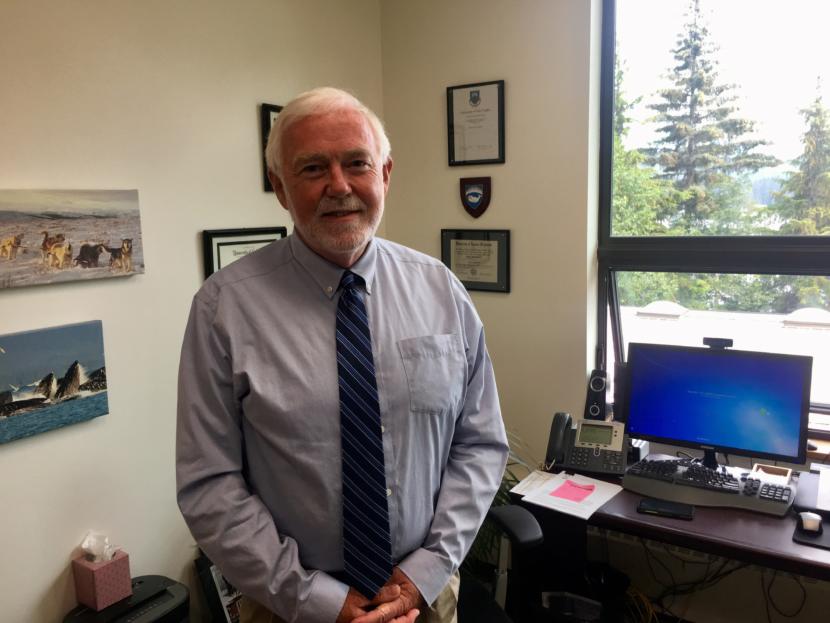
x=475 y=123
x=224 y=246
x=267 y=117
x=480 y=258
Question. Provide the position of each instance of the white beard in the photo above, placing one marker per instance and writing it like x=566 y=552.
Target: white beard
x=341 y=237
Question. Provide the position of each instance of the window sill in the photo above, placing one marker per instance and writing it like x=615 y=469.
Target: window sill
x=821 y=453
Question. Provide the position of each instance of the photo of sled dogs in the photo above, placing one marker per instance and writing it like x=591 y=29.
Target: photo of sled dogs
x=52 y=236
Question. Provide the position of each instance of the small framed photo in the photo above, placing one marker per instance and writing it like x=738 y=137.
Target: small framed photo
x=480 y=258
x=267 y=116
x=475 y=123
x=224 y=246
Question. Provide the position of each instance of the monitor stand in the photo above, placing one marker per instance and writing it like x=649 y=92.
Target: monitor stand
x=715 y=343
x=709 y=459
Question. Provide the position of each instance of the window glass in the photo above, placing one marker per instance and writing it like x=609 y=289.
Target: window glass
x=758 y=312
x=721 y=123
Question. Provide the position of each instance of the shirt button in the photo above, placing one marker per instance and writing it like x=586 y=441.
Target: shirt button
x=382 y=428
x=388 y=492
x=329 y=289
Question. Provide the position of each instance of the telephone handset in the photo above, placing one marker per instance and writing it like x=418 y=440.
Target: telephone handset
x=592 y=446
x=559 y=430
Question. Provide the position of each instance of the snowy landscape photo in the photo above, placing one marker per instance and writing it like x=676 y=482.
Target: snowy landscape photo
x=52 y=236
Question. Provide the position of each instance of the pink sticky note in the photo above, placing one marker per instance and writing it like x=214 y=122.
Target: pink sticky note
x=569 y=490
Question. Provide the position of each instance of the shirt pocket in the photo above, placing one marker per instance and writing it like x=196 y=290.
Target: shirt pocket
x=435 y=372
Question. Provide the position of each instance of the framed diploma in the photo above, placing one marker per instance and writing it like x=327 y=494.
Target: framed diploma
x=267 y=117
x=475 y=123
x=224 y=246
x=480 y=258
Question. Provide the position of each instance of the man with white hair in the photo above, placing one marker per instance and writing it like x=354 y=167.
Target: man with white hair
x=339 y=435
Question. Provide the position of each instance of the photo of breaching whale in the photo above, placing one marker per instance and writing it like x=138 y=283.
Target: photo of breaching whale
x=76 y=394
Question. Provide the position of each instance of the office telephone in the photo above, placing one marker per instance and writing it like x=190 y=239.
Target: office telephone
x=592 y=446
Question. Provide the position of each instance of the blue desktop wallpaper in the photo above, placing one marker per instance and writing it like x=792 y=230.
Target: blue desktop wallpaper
x=730 y=399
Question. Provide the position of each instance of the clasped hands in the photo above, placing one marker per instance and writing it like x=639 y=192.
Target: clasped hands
x=396 y=602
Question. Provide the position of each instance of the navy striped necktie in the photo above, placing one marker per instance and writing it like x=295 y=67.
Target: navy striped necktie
x=366 y=543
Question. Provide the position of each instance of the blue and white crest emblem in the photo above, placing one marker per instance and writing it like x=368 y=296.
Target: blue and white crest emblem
x=475 y=195
x=475 y=97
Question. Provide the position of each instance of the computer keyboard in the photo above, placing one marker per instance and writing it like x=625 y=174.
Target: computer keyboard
x=686 y=481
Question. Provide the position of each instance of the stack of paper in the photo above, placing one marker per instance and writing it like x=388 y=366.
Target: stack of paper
x=574 y=495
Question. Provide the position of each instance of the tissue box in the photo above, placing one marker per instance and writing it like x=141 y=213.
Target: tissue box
x=100 y=584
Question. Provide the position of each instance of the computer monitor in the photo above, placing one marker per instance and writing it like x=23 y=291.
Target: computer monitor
x=720 y=400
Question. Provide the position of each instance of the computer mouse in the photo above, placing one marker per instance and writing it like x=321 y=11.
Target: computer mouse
x=811 y=446
x=809 y=522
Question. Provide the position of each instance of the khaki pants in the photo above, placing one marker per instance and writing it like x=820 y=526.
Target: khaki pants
x=442 y=611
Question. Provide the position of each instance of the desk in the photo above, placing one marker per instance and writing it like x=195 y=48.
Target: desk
x=741 y=535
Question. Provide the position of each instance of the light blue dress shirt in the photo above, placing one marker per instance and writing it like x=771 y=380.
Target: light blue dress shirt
x=258 y=436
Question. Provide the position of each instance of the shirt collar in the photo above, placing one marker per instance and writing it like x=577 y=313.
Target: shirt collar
x=326 y=274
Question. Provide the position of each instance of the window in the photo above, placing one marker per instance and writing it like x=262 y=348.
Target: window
x=715 y=178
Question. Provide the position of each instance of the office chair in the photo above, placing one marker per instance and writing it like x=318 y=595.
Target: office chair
x=531 y=576
x=480 y=604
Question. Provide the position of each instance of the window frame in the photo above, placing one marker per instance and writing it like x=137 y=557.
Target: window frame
x=779 y=255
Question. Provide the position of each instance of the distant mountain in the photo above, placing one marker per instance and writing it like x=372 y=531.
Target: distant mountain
x=52 y=215
x=11 y=216
x=763 y=188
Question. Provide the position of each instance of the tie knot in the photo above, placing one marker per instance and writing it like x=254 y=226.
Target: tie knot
x=350 y=280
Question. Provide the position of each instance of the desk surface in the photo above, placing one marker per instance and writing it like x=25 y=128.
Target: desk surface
x=742 y=535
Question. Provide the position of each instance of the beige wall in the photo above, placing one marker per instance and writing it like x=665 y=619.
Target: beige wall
x=160 y=96
x=541 y=334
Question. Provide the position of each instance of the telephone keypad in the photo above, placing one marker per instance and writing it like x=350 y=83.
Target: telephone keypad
x=589 y=459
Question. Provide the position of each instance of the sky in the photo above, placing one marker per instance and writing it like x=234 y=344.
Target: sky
x=82 y=201
x=773 y=50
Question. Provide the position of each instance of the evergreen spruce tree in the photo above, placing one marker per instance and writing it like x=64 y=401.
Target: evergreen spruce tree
x=704 y=145
x=622 y=105
x=803 y=201
x=639 y=198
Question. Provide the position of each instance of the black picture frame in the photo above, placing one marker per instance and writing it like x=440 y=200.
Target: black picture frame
x=480 y=121
x=267 y=115
x=218 y=243
x=495 y=274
